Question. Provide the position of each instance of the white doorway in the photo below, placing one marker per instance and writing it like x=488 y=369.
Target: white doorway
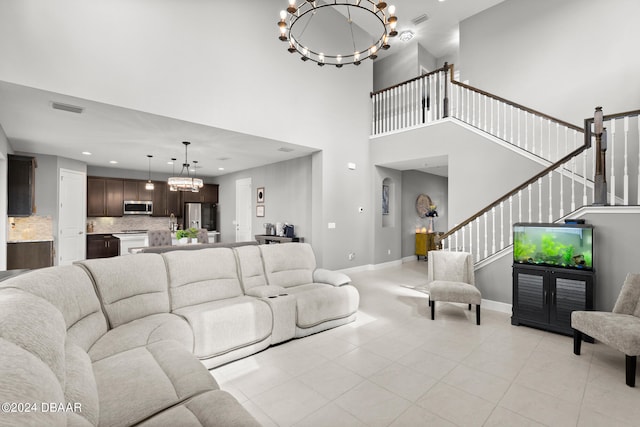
x=243 y=210
x=71 y=216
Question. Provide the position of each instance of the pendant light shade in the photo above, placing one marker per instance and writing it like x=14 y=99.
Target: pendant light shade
x=149 y=185
x=185 y=183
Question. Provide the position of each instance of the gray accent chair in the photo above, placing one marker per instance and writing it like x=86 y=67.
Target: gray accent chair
x=203 y=235
x=619 y=329
x=451 y=278
x=159 y=237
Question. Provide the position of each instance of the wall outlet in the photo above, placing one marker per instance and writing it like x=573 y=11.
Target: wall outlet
x=351 y=256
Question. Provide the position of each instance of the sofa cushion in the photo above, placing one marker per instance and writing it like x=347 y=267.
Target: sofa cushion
x=138 y=383
x=319 y=302
x=201 y=276
x=213 y=408
x=24 y=377
x=140 y=332
x=35 y=325
x=80 y=386
x=444 y=290
x=288 y=264
x=130 y=287
x=70 y=290
x=250 y=267
x=226 y=325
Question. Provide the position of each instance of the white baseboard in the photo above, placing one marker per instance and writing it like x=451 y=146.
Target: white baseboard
x=501 y=307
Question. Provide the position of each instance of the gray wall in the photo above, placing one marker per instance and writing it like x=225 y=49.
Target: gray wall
x=480 y=171
x=615 y=254
x=415 y=183
x=5 y=148
x=287 y=197
x=560 y=57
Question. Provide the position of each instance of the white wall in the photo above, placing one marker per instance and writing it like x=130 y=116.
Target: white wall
x=480 y=171
x=387 y=231
x=560 y=57
x=188 y=60
x=287 y=197
x=415 y=183
x=5 y=149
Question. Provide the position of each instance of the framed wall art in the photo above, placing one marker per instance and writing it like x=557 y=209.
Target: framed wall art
x=260 y=195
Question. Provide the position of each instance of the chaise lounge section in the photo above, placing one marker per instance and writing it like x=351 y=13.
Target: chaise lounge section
x=128 y=340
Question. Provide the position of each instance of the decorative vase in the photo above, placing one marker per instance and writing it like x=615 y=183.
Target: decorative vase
x=183 y=240
x=430 y=230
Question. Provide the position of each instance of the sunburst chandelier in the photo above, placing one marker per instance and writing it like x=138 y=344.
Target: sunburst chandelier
x=314 y=23
x=185 y=183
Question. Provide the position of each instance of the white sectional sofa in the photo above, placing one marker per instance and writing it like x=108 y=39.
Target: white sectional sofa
x=127 y=340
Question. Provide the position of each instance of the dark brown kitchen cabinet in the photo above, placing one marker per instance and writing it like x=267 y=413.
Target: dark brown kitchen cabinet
x=105 y=196
x=207 y=194
x=165 y=202
x=102 y=246
x=135 y=190
x=20 y=185
x=29 y=255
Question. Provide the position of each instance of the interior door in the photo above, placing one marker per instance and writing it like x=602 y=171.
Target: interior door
x=243 y=210
x=71 y=216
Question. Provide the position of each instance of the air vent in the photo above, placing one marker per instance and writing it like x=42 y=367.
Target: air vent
x=420 y=19
x=67 y=107
x=285 y=149
x=223 y=158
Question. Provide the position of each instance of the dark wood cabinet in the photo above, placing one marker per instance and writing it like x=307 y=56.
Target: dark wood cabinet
x=544 y=297
x=207 y=194
x=29 y=255
x=105 y=196
x=20 y=185
x=165 y=202
x=135 y=190
x=102 y=246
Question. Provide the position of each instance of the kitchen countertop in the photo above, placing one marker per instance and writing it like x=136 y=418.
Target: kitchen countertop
x=49 y=239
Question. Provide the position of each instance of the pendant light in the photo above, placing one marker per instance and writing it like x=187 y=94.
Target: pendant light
x=185 y=183
x=149 y=185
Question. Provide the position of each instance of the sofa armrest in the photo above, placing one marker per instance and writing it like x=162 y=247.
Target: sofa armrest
x=320 y=275
x=265 y=291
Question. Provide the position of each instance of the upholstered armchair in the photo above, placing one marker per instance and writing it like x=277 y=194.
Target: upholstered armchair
x=619 y=329
x=451 y=278
x=159 y=237
x=203 y=235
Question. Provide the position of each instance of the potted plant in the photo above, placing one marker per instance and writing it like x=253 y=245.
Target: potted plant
x=183 y=236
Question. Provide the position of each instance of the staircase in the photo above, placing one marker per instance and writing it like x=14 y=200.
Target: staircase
x=564 y=185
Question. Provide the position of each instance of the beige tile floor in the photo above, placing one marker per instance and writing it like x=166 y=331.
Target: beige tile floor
x=396 y=367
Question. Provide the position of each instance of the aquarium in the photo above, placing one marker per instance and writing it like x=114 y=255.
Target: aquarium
x=557 y=245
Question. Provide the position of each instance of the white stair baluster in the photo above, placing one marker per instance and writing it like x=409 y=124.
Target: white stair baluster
x=584 y=178
x=573 y=185
x=501 y=225
x=510 y=220
x=530 y=203
x=638 y=197
x=611 y=141
x=471 y=237
x=486 y=240
x=561 y=178
x=491 y=102
x=478 y=239
x=540 y=200
x=550 y=195
x=493 y=230
x=511 y=123
x=625 y=181
x=520 y=206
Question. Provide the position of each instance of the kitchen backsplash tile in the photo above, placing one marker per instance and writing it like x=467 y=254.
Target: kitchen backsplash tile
x=30 y=228
x=129 y=222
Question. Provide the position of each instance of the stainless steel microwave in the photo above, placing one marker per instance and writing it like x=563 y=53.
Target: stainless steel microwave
x=138 y=207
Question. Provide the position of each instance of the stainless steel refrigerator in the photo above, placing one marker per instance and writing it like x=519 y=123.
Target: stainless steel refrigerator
x=200 y=215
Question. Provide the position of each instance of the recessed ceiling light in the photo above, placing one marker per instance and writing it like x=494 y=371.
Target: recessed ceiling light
x=220 y=169
x=407 y=35
x=285 y=149
x=113 y=162
x=86 y=153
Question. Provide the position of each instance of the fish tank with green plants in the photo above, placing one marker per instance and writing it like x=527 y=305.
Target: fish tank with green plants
x=556 y=245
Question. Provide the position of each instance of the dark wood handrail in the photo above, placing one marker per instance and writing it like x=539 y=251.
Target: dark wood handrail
x=445 y=67
x=514 y=104
x=515 y=190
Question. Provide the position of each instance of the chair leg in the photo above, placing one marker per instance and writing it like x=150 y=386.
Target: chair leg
x=477 y=314
x=469 y=307
x=577 y=341
x=433 y=310
x=631 y=370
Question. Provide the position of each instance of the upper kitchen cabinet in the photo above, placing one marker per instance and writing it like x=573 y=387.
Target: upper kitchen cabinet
x=20 y=185
x=105 y=196
x=207 y=194
x=165 y=202
x=135 y=190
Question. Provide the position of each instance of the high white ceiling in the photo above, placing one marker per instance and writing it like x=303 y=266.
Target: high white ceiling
x=113 y=133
